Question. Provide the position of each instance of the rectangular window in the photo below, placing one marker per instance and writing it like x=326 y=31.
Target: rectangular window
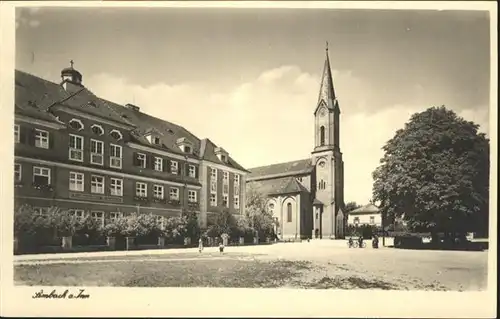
x=174 y=193
x=237 y=202
x=192 y=196
x=98 y=216
x=141 y=160
x=115 y=159
x=356 y=220
x=17 y=134
x=97 y=184
x=158 y=164
x=225 y=200
x=174 y=167
x=17 y=172
x=213 y=200
x=192 y=171
x=226 y=177
x=116 y=187
x=41 y=138
x=225 y=188
x=236 y=180
x=96 y=152
x=78 y=213
x=41 y=175
x=141 y=189
x=42 y=211
x=115 y=215
x=76 y=182
x=76 y=148
x=213 y=174
x=213 y=187
x=372 y=220
x=158 y=191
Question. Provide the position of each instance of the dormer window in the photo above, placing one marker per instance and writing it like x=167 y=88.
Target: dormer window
x=117 y=135
x=221 y=154
x=97 y=129
x=185 y=145
x=153 y=136
x=76 y=124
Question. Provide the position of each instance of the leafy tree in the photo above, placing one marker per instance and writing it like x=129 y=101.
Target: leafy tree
x=174 y=228
x=435 y=173
x=147 y=225
x=257 y=213
x=350 y=206
x=116 y=227
x=224 y=223
x=192 y=228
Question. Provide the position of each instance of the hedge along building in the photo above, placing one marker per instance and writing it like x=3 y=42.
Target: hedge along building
x=81 y=153
x=306 y=197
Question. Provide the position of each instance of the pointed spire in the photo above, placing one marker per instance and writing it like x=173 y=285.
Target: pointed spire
x=327 y=92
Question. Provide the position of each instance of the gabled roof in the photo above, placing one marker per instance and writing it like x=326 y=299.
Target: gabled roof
x=35 y=97
x=88 y=102
x=281 y=169
x=278 y=186
x=367 y=209
x=207 y=152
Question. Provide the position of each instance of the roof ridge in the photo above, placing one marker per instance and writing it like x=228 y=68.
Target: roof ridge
x=105 y=102
x=281 y=163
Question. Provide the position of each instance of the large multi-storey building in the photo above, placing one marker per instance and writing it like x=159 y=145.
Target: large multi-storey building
x=81 y=153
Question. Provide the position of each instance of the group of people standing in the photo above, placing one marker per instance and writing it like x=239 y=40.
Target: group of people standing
x=221 y=245
x=360 y=241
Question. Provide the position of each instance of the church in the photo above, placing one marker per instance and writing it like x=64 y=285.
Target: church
x=306 y=197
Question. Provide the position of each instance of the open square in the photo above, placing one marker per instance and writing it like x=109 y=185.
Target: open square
x=316 y=264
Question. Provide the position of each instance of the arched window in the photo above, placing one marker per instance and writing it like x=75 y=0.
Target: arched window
x=289 y=212
x=322 y=135
x=322 y=184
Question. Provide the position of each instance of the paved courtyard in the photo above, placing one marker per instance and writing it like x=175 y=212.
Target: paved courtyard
x=316 y=264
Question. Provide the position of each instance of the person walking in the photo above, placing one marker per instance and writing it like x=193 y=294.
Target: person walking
x=221 y=247
x=200 y=245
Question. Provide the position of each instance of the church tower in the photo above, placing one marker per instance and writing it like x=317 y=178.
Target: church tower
x=328 y=218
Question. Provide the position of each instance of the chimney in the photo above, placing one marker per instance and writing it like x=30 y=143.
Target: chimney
x=132 y=107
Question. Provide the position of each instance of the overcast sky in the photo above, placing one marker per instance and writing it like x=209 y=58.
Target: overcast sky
x=248 y=79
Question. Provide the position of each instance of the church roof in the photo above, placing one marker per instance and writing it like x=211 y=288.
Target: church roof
x=35 y=96
x=278 y=186
x=299 y=167
x=367 y=209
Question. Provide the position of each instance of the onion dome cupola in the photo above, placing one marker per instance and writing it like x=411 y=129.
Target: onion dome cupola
x=71 y=75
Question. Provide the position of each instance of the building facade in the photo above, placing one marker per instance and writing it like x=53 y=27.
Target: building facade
x=77 y=152
x=306 y=197
x=366 y=215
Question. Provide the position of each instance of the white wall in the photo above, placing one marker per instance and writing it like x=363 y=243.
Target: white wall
x=365 y=219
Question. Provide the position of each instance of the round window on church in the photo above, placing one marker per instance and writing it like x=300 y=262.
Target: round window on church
x=321 y=164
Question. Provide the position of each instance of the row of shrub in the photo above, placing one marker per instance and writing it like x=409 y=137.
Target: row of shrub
x=34 y=231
